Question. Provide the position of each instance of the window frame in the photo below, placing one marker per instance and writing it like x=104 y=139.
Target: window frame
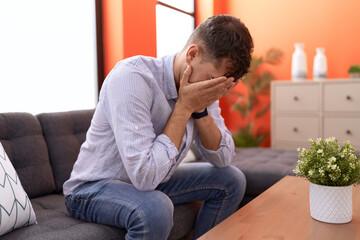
x=191 y=14
x=180 y=10
x=99 y=45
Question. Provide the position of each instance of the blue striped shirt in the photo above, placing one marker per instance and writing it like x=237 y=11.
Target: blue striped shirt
x=125 y=140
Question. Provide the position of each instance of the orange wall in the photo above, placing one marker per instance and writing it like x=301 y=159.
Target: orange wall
x=139 y=18
x=129 y=29
x=220 y=7
x=112 y=33
x=204 y=9
x=330 y=24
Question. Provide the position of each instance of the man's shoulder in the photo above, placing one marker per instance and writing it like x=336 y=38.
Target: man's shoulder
x=141 y=63
x=134 y=72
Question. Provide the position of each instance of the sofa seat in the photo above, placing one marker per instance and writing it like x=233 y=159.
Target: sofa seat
x=54 y=223
x=263 y=167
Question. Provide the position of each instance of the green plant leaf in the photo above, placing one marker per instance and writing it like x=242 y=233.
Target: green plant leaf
x=241 y=109
x=274 y=56
x=256 y=82
x=244 y=138
x=354 y=69
x=263 y=111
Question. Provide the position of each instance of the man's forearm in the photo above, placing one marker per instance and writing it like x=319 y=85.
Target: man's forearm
x=209 y=133
x=175 y=127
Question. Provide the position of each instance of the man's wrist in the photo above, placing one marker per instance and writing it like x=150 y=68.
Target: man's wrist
x=198 y=115
x=183 y=110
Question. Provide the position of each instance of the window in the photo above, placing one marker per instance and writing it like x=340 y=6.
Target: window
x=48 y=55
x=175 y=21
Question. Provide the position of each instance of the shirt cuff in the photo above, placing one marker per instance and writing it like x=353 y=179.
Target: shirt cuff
x=223 y=155
x=171 y=149
x=223 y=142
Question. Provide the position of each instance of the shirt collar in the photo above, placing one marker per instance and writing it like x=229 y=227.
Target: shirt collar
x=170 y=87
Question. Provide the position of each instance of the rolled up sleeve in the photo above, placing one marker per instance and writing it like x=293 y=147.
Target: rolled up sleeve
x=223 y=156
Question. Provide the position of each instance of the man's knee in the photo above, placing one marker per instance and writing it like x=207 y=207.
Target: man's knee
x=155 y=218
x=234 y=180
x=160 y=207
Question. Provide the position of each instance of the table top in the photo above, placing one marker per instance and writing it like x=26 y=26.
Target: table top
x=283 y=212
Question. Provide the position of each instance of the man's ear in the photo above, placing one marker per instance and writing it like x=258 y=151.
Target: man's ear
x=192 y=53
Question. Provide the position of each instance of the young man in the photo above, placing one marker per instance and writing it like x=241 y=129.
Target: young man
x=150 y=110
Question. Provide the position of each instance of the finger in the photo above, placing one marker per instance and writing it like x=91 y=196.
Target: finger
x=233 y=84
x=216 y=91
x=229 y=89
x=186 y=75
x=227 y=84
x=212 y=82
x=230 y=82
x=237 y=81
x=220 y=90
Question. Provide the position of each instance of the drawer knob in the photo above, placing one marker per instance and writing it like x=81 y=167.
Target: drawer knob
x=348 y=132
x=296 y=98
x=348 y=97
x=295 y=129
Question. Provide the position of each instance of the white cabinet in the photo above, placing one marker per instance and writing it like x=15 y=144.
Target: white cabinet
x=303 y=110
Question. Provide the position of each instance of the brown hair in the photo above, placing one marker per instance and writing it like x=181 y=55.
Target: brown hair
x=224 y=36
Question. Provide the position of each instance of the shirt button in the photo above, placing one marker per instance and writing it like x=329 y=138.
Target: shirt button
x=136 y=128
x=169 y=96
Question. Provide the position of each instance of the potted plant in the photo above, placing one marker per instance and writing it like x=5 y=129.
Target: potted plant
x=332 y=170
x=256 y=84
x=354 y=71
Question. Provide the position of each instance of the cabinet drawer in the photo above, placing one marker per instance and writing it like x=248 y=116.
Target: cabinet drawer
x=342 y=97
x=343 y=129
x=297 y=98
x=298 y=129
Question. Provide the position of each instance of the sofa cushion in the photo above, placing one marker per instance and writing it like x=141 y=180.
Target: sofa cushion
x=64 y=133
x=15 y=207
x=54 y=223
x=21 y=136
x=263 y=167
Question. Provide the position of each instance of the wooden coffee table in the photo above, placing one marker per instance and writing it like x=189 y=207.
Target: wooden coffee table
x=283 y=212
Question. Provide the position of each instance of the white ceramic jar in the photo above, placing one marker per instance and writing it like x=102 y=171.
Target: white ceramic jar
x=299 y=63
x=320 y=65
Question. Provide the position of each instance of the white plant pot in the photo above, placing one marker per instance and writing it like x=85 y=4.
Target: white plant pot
x=331 y=204
x=354 y=75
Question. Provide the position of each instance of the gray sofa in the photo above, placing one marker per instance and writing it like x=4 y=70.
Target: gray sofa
x=43 y=149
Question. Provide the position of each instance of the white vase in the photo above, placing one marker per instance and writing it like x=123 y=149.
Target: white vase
x=299 y=63
x=331 y=204
x=320 y=65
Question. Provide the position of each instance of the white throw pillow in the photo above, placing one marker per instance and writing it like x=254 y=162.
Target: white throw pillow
x=15 y=208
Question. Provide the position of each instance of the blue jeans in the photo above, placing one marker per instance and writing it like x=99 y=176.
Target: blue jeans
x=149 y=215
